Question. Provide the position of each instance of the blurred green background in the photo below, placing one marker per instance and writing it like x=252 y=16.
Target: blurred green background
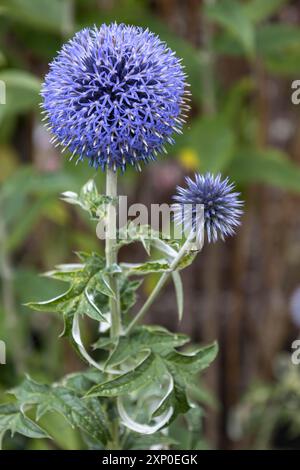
x=241 y=58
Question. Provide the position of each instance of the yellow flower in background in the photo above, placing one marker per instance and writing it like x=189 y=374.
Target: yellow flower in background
x=189 y=159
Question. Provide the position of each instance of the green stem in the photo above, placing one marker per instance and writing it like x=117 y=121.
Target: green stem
x=111 y=251
x=162 y=281
x=111 y=255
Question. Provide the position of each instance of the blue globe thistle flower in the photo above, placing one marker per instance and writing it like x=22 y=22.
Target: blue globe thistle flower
x=221 y=205
x=115 y=95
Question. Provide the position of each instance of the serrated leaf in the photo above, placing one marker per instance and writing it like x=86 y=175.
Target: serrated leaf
x=89 y=200
x=14 y=420
x=149 y=237
x=175 y=399
x=147 y=429
x=187 y=364
x=157 y=339
x=86 y=414
x=127 y=382
x=187 y=260
x=81 y=382
x=141 y=269
x=88 y=294
x=256 y=10
x=128 y=294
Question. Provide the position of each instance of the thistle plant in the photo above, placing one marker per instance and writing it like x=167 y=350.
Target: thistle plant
x=115 y=96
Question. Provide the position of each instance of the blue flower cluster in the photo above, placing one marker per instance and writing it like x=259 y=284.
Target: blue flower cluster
x=221 y=205
x=115 y=95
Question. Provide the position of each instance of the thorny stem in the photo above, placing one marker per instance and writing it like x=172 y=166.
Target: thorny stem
x=162 y=281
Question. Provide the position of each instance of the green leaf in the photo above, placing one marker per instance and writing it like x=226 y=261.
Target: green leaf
x=157 y=339
x=22 y=92
x=89 y=200
x=157 y=266
x=14 y=420
x=132 y=233
x=175 y=399
x=269 y=166
x=41 y=14
x=73 y=331
x=88 y=294
x=231 y=15
x=81 y=382
x=128 y=294
x=86 y=414
x=130 y=423
x=128 y=382
x=277 y=38
x=179 y=292
x=187 y=364
x=235 y=99
x=149 y=238
x=258 y=10
x=187 y=260
x=25 y=225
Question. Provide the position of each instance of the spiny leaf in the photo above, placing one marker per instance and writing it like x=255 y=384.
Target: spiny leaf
x=187 y=364
x=86 y=414
x=89 y=200
x=157 y=339
x=133 y=233
x=134 y=269
x=81 y=382
x=268 y=166
x=127 y=382
x=87 y=295
x=175 y=399
x=149 y=237
x=14 y=420
x=128 y=294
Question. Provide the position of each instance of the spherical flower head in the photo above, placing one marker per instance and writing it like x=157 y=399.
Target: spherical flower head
x=115 y=95
x=221 y=205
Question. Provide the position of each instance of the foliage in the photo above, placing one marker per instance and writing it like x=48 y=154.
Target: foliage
x=269 y=411
x=142 y=362
x=31 y=31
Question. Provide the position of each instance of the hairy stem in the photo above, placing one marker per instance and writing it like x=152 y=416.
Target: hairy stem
x=162 y=281
x=111 y=251
x=111 y=259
